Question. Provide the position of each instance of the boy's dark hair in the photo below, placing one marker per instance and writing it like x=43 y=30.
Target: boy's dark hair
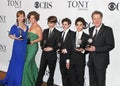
x=97 y=12
x=80 y=19
x=52 y=19
x=66 y=20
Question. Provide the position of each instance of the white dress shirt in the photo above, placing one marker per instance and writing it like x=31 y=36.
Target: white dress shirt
x=94 y=31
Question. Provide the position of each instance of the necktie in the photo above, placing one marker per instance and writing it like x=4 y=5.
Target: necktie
x=95 y=34
x=63 y=36
x=50 y=33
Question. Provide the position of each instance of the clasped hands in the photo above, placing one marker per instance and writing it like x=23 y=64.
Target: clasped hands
x=48 y=49
x=91 y=48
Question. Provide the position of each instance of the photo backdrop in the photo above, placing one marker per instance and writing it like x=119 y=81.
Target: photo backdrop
x=62 y=8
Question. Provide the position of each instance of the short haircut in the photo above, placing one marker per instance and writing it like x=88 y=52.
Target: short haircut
x=33 y=13
x=66 y=20
x=80 y=19
x=52 y=19
x=97 y=12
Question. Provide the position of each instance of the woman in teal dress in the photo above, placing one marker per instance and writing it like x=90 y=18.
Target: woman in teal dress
x=18 y=32
x=30 y=72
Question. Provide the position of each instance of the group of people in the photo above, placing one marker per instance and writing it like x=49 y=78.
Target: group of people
x=71 y=46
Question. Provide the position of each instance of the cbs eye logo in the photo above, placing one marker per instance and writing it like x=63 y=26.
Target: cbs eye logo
x=114 y=6
x=43 y=5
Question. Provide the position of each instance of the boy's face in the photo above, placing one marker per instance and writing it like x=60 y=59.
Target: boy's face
x=65 y=25
x=79 y=26
x=51 y=24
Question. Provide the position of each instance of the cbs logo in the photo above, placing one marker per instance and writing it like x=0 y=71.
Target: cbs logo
x=43 y=5
x=114 y=6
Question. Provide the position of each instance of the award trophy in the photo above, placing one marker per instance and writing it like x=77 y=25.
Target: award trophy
x=28 y=39
x=20 y=37
x=90 y=40
x=59 y=48
x=79 y=41
x=44 y=43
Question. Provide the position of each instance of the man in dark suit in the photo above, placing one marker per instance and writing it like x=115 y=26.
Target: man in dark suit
x=65 y=40
x=103 y=42
x=49 y=56
x=77 y=62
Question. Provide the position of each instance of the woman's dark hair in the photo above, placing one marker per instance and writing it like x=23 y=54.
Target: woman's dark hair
x=33 y=13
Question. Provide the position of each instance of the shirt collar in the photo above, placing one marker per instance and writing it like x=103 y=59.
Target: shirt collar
x=51 y=29
x=66 y=31
x=80 y=32
x=98 y=28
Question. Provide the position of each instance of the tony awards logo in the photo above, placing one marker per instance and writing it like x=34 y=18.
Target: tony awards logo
x=15 y=3
x=2 y=19
x=80 y=5
x=3 y=48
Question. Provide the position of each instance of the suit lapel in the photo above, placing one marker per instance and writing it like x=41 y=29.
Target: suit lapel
x=100 y=31
x=47 y=33
x=53 y=32
x=67 y=36
x=74 y=40
x=98 y=34
x=91 y=31
x=82 y=37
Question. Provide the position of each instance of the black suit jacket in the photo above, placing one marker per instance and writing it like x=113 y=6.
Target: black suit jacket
x=103 y=42
x=66 y=44
x=52 y=41
x=78 y=57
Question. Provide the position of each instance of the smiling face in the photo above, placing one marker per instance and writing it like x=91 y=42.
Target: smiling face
x=32 y=19
x=21 y=18
x=97 y=20
x=20 y=15
x=79 y=26
x=51 y=24
x=65 y=25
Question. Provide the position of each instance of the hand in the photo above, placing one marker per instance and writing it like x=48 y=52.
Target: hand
x=48 y=49
x=18 y=38
x=32 y=42
x=64 y=51
x=14 y=37
x=91 y=48
x=79 y=50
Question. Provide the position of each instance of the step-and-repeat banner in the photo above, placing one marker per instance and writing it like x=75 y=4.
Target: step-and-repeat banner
x=62 y=8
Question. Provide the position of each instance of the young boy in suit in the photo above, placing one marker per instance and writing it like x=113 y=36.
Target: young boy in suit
x=49 y=55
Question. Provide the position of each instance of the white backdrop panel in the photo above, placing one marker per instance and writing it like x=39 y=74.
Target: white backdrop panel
x=61 y=8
